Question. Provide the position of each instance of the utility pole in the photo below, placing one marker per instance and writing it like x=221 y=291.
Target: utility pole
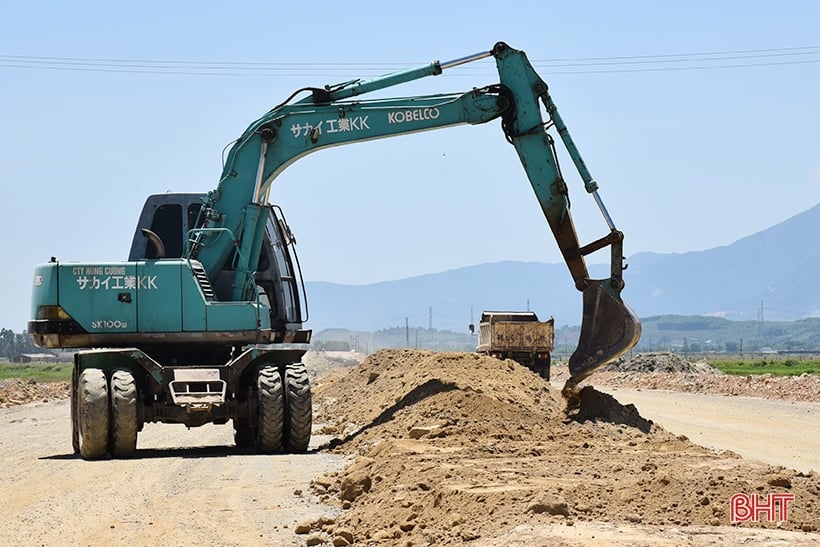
x=407 y=331
x=430 y=318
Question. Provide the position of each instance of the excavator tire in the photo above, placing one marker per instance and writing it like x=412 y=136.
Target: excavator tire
x=270 y=433
x=123 y=413
x=298 y=408
x=92 y=414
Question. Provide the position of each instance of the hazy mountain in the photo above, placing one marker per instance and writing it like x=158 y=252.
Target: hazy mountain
x=776 y=268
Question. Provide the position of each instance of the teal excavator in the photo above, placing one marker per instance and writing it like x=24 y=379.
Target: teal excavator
x=205 y=321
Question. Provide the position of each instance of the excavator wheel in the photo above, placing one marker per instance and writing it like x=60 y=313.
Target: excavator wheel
x=92 y=414
x=298 y=408
x=271 y=404
x=123 y=413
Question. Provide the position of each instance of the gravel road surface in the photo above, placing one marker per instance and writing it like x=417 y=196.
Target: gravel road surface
x=183 y=487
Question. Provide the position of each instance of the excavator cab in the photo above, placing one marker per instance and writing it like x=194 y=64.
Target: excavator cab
x=162 y=232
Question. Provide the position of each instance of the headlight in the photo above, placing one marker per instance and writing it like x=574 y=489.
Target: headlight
x=52 y=313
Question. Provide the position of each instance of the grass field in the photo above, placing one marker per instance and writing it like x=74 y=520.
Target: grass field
x=41 y=372
x=776 y=366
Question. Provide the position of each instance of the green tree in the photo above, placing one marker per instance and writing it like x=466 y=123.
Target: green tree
x=13 y=344
x=7 y=343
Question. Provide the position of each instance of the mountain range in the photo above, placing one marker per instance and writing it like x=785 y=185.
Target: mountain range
x=769 y=275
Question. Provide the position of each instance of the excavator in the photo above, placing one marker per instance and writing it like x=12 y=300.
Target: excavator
x=204 y=323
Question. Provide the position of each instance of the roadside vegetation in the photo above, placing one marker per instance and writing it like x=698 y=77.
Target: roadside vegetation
x=776 y=366
x=39 y=372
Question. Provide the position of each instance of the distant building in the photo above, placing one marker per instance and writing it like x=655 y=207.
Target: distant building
x=35 y=358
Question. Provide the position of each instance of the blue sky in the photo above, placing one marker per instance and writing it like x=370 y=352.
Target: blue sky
x=699 y=120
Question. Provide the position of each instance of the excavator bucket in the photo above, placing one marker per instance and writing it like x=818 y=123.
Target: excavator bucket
x=609 y=328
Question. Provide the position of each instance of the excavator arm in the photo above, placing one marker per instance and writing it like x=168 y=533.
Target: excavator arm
x=609 y=328
x=334 y=115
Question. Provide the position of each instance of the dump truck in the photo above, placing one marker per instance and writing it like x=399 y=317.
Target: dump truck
x=519 y=336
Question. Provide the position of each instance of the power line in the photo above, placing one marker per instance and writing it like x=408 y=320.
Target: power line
x=753 y=52
x=686 y=68
x=709 y=60
x=747 y=53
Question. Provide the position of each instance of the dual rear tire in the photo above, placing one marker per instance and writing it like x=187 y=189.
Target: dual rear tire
x=104 y=414
x=285 y=411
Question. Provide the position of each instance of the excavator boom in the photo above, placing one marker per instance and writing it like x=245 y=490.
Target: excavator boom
x=609 y=327
x=336 y=115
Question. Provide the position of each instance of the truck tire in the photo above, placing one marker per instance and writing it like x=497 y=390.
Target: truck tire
x=542 y=367
x=298 y=408
x=271 y=397
x=123 y=413
x=92 y=414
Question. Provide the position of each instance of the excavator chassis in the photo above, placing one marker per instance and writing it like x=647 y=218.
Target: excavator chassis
x=114 y=392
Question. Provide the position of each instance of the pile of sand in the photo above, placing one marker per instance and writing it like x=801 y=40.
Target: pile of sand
x=658 y=362
x=453 y=447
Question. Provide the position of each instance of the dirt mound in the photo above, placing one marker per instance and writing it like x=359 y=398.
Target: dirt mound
x=14 y=391
x=805 y=387
x=667 y=371
x=324 y=363
x=656 y=362
x=594 y=405
x=457 y=447
x=405 y=392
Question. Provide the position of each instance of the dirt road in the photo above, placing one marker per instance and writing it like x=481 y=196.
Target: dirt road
x=776 y=432
x=184 y=487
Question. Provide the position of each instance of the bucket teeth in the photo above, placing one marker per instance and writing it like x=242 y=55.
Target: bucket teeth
x=609 y=329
